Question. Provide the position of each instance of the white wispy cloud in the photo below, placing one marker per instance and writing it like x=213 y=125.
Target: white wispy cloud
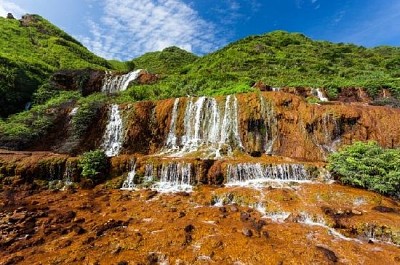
x=129 y=28
x=379 y=27
x=9 y=7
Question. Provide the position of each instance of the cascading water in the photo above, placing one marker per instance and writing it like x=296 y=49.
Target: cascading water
x=113 y=135
x=208 y=127
x=317 y=92
x=249 y=173
x=129 y=183
x=270 y=125
x=171 y=139
x=174 y=176
x=115 y=83
x=329 y=136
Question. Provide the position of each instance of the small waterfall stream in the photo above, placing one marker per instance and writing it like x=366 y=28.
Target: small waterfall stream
x=270 y=124
x=317 y=92
x=169 y=177
x=115 y=83
x=249 y=173
x=113 y=135
x=173 y=176
x=129 y=183
x=171 y=142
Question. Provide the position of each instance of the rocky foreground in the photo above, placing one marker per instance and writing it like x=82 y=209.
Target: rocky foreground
x=276 y=224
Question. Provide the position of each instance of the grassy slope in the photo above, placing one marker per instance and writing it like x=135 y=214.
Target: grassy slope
x=169 y=61
x=281 y=59
x=29 y=54
x=277 y=58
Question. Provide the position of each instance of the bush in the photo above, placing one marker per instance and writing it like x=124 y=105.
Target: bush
x=369 y=166
x=88 y=109
x=93 y=165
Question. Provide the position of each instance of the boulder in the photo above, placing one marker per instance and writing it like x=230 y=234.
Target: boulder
x=86 y=81
x=146 y=78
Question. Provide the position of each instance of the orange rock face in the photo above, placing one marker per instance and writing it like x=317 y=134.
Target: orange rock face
x=220 y=148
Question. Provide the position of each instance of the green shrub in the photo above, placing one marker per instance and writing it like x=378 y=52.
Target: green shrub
x=88 y=109
x=93 y=165
x=369 y=166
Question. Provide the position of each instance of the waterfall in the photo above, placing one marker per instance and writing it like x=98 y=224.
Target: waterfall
x=68 y=175
x=113 y=135
x=317 y=92
x=115 y=83
x=171 y=139
x=129 y=183
x=174 y=176
x=329 y=128
x=207 y=127
x=243 y=173
x=230 y=127
x=73 y=112
x=270 y=124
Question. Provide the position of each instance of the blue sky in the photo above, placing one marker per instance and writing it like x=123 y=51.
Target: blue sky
x=124 y=29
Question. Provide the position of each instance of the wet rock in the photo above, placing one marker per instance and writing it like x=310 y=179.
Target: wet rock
x=261 y=86
x=384 y=209
x=88 y=241
x=258 y=225
x=65 y=244
x=189 y=228
x=188 y=239
x=125 y=197
x=183 y=194
x=79 y=220
x=150 y=195
x=247 y=232
x=117 y=250
x=152 y=258
x=14 y=260
x=234 y=208
x=265 y=234
x=188 y=234
x=78 y=230
x=17 y=217
x=244 y=216
x=65 y=218
x=110 y=224
x=256 y=154
x=182 y=214
x=329 y=254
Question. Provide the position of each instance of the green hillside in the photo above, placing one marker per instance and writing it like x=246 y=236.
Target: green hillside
x=168 y=61
x=32 y=49
x=282 y=59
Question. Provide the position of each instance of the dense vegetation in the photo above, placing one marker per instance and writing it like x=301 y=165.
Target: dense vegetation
x=278 y=59
x=368 y=165
x=31 y=50
x=93 y=164
x=169 y=61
